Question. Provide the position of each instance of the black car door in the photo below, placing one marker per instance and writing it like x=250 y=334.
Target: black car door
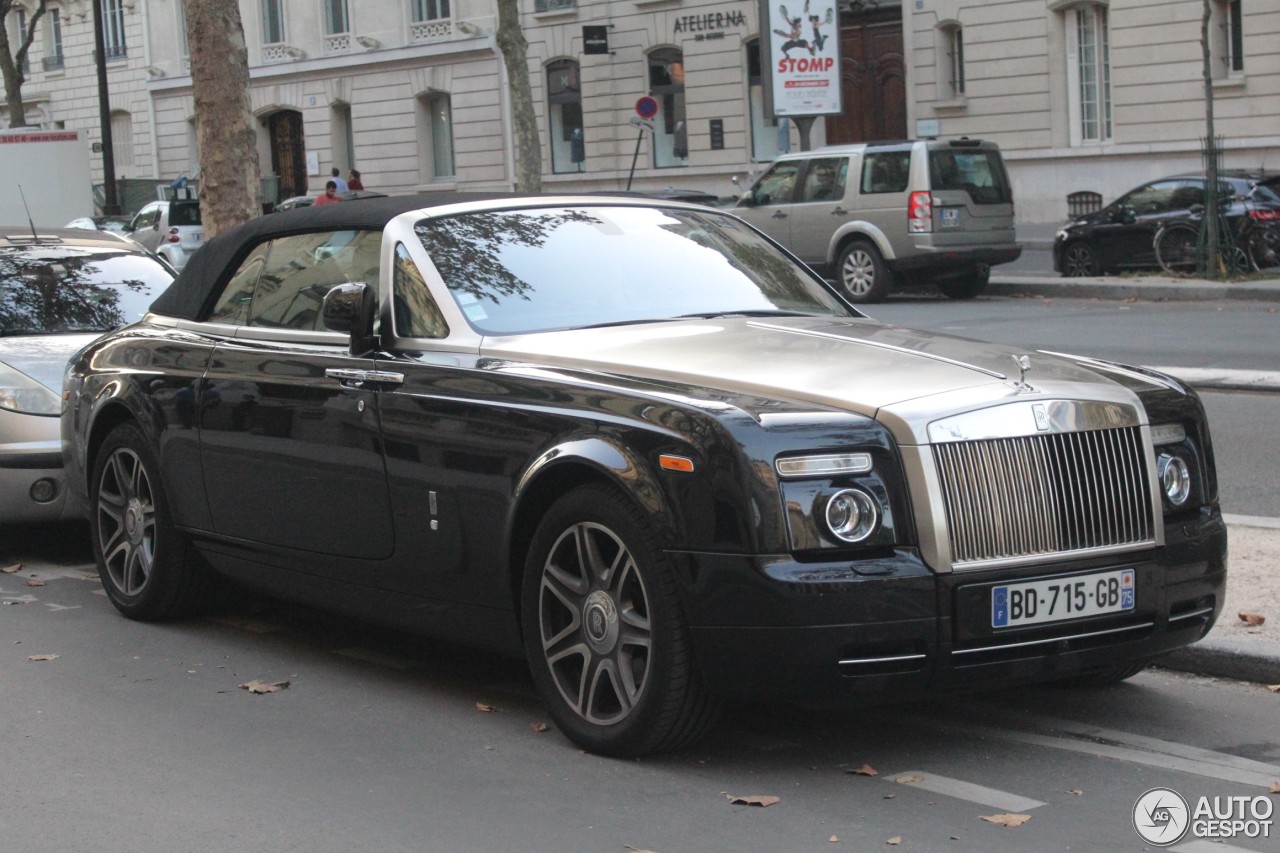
x=289 y=426
x=1128 y=239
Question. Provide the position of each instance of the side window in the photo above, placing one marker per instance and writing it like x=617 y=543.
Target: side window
x=778 y=184
x=824 y=180
x=416 y=313
x=886 y=171
x=301 y=269
x=233 y=304
x=1153 y=198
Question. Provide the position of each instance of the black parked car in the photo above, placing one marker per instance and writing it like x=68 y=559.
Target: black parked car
x=638 y=444
x=1121 y=236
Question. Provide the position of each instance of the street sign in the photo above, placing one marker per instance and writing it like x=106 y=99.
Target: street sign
x=646 y=107
x=646 y=123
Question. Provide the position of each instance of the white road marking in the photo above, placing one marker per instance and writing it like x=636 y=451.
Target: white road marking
x=962 y=790
x=1084 y=738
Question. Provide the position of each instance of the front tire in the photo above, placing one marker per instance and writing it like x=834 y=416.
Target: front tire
x=862 y=273
x=608 y=645
x=142 y=558
x=1080 y=260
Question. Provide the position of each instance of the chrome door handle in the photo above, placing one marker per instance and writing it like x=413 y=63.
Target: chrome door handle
x=357 y=378
x=839 y=211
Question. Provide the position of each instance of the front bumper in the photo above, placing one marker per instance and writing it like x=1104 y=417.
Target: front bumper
x=827 y=635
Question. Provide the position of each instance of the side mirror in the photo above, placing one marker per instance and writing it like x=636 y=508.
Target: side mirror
x=349 y=308
x=1128 y=215
x=747 y=199
x=734 y=180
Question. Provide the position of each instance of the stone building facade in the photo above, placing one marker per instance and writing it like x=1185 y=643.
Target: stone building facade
x=1094 y=95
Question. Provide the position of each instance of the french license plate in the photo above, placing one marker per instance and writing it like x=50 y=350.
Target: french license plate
x=1036 y=602
x=950 y=217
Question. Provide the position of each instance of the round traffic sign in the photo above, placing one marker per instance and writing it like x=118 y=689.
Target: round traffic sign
x=646 y=107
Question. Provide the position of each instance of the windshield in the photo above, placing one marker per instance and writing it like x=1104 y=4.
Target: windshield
x=58 y=289
x=521 y=271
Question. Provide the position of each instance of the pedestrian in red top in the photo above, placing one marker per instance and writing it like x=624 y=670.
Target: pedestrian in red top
x=353 y=180
x=330 y=194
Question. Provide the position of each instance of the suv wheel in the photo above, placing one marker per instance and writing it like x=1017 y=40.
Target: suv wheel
x=862 y=273
x=968 y=285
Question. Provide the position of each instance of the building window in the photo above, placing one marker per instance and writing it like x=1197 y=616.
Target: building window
x=121 y=142
x=1228 y=39
x=670 y=133
x=113 y=29
x=769 y=136
x=272 y=22
x=53 y=59
x=564 y=106
x=17 y=35
x=953 y=56
x=429 y=10
x=553 y=5
x=341 y=137
x=435 y=137
x=336 y=19
x=1089 y=74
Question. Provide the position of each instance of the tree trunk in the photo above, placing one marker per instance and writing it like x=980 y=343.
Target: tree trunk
x=11 y=61
x=512 y=43
x=1214 y=265
x=230 y=192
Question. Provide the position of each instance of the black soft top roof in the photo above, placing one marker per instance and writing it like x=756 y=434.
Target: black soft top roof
x=201 y=279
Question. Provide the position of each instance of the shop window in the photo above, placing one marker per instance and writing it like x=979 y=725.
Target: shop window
x=671 y=131
x=564 y=107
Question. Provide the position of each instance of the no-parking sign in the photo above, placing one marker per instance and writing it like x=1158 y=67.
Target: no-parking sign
x=646 y=107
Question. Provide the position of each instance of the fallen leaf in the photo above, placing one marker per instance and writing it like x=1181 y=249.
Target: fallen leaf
x=1274 y=688
x=894 y=842
x=889 y=796
x=35 y=582
x=1076 y=792
x=1007 y=819
x=864 y=770
x=833 y=839
x=761 y=800
x=1253 y=620
x=485 y=709
x=909 y=778
x=258 y=686
x=9 y=570
x=43 y=657
x=538 y=727
x=1275 y=788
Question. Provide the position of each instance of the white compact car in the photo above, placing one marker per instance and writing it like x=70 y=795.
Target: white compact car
x=171 y=229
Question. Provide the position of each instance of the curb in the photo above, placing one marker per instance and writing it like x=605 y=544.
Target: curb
x=1146 y=288
x=1224 y=659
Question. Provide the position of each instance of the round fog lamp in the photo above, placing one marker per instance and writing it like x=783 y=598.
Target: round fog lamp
x=1175 y=479
x=44 y=490
x=851 y=515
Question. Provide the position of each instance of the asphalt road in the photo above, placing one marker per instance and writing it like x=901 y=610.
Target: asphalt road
x=140 y=737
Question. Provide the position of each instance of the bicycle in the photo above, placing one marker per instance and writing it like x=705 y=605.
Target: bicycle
x=1249 y=244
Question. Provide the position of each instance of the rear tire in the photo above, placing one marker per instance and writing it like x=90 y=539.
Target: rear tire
x=607 y=641
x=143 y=560
x=966 y=286
x=862 y=274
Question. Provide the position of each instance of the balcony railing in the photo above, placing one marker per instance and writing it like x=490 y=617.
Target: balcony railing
x=554 y=5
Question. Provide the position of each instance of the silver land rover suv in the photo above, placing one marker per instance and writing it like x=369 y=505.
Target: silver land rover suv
x=875 y=214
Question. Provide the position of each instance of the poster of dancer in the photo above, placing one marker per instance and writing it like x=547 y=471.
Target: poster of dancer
x=804 y=56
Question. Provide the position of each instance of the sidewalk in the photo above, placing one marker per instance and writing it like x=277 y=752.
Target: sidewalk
x=1234 y=649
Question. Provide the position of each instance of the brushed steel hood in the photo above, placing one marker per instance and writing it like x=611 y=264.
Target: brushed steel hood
x=903 y=377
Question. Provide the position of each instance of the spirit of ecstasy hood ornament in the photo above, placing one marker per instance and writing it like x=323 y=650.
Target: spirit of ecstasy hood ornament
x=1024 y=364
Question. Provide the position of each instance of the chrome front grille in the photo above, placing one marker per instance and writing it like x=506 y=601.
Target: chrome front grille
x=1027 y=496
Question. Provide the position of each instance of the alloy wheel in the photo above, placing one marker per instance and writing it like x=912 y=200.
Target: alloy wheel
x=126 y=514
x=858 y=273
x=593 y=613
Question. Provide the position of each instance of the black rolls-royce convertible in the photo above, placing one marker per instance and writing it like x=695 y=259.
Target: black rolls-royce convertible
x=638 y=443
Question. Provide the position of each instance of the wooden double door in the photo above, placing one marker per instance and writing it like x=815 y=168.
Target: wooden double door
x=873 y=79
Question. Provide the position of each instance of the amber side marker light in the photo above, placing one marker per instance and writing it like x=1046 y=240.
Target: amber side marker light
x=676 y=463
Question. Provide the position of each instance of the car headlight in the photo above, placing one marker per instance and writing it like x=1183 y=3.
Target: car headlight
x=851 y=515
x=21 y=393
x=1175 y=478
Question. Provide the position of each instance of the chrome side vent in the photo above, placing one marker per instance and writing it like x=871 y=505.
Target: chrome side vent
x=1061 y=493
